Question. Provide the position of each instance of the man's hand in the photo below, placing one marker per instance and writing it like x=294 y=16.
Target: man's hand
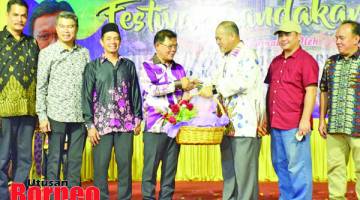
x=196 y=82
x=45 y=126
x=230 y=130
x=137 y=128
x=304 y=127
x=231 y=133
x=186 y=84
x=263 y=127
x=186 y=96
x=206 y=91
x=322 y=128
x=93 y=136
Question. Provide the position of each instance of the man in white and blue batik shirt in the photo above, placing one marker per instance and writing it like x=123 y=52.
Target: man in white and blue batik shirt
x=238 y=82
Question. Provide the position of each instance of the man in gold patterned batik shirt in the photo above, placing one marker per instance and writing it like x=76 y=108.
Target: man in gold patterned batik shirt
x=18 y=64
x=340 y=99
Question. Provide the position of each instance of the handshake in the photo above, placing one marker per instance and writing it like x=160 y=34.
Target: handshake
x=187 y=84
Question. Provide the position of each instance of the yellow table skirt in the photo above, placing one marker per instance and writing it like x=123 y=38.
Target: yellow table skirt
x=202 y=163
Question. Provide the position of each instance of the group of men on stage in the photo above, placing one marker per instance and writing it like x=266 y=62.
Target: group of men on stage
x=76 y=98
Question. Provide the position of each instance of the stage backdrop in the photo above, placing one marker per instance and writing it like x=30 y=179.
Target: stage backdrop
x=195 y=21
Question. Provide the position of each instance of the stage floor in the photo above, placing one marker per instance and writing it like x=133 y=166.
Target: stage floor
x=212 y=190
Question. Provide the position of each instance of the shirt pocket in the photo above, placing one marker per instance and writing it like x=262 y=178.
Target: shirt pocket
x=291 y=75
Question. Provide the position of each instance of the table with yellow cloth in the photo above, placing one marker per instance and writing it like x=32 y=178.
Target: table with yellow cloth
x=202 y=162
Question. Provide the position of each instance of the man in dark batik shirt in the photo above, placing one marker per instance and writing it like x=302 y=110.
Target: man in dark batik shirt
x=112 y=111
x=18 y=61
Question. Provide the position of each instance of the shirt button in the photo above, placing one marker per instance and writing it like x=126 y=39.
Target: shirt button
x=277 y=81
x=273 y=101
x=284 y=61
x=274 y=91
x=273 y=112
x=280 y=71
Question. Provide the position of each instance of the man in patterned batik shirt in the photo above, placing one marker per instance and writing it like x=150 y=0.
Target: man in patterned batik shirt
x=112 y=112
x=58 y=98
x=163 y=82
x=18 y=65
x=238 y=81
x=340 y=99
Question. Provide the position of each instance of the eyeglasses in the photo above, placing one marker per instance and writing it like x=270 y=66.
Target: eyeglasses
x=42 y=36
x=175 y=46
x=72 y=26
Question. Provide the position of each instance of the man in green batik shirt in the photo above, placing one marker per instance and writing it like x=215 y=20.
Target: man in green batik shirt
x=340 y=99
x=18 y=61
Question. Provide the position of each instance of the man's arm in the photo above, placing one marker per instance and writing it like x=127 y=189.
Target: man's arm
x=164 y=88
x=323 y=112
x=323 y=103
x=43 y=75
x=309 y=103
x=310 y=76
x=136 y=100
x=87 y=103
x=264 y=125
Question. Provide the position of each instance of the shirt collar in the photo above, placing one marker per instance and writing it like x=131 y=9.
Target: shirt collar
x=294 y=55
x=8 y=34
x=103 y=58
x=61 y=48
x=234 y=52
x=156 y=60
x=354 y=56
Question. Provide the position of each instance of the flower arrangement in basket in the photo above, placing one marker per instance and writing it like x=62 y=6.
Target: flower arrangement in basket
x=178 y=115
x=195 y=121
x=207 y=127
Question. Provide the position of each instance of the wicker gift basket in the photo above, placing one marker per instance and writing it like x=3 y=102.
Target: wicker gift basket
x=192 y=135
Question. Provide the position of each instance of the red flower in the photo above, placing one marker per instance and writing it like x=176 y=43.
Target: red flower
x=182 y=102
x=175 y=108
x=189 y=106
x=172 y=120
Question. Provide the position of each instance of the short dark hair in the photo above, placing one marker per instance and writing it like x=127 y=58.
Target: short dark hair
x=230 y=26
x=354 y=25
x=161 y=35
x=48 y=7
x=16 y=2
x=68 y=15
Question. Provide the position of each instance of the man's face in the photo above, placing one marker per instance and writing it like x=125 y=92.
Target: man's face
x=44 y=30
x=288 y=41
x=224 y=39
x=166 y=50
x=17 y=17
x=111 y=42
x=66 y=30
x=346 y=41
